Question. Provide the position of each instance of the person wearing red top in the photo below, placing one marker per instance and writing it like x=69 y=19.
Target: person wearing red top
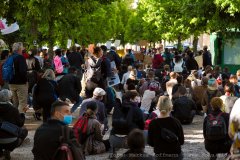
x=25 y=54
x=157 y=61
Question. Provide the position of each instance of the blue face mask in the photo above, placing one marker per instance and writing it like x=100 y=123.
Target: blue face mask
x=67 y=119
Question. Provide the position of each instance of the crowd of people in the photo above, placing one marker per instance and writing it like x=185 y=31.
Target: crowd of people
x=148 y=106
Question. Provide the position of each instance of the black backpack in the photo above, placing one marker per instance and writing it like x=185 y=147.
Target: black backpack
x=69 y=148
x=216 y=128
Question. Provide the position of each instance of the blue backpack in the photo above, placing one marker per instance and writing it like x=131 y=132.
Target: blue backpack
x=8 y=70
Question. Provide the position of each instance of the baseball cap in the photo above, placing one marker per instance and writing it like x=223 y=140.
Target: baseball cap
x=99 y=92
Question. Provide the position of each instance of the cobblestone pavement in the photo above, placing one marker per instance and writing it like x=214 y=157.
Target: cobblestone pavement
x=192 y=149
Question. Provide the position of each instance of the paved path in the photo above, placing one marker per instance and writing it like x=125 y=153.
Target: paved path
x=193 y=147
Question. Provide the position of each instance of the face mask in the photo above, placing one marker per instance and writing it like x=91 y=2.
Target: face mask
x=67 y=119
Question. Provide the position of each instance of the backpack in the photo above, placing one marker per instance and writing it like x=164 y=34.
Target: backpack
x=1 y=76
x=58 y=64
x=8 y=70
x=216 y=128
x=80 y=129
x=69 y=149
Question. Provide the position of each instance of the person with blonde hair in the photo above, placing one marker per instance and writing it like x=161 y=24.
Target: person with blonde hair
x=165 y=133
x=49 y=75
x=215 y=130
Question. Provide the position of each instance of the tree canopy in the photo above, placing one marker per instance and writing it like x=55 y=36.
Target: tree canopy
x=52 y=22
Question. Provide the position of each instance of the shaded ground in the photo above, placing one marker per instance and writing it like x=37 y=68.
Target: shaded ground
x=192 y=149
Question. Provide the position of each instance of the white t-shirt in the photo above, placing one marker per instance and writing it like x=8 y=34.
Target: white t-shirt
x=125 y=77
x=178 y=66
x=148 y=96
x=196 y=82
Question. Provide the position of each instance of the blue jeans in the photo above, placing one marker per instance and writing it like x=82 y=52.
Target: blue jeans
x=77 y=104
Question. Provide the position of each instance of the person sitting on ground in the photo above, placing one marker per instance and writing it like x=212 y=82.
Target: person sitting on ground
x=196 y=80
x=126 y=117
x=211 y=92
x=175 y=92
x=131 y=80
x=165 y=133
x=10 y=117
x=70 y=87
x=215 y=130
x=184 y=109
x=98 y=95
x=171 y=83
x=94 y=144
x=140 y=72
x=136 y=145
x=197 y=94
x=150 y=78
x=228 y=99
x=234 y=80
x=188 y=86
x=126 y=75
x=47 y=136
x=148 y=96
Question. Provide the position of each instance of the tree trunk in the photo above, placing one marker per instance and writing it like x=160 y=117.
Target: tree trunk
x=34 y=31
x=195 y=44
x=179 y=44
x=51 y=40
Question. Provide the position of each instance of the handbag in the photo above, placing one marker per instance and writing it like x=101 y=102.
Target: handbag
x=168 y=136
x=10 y=128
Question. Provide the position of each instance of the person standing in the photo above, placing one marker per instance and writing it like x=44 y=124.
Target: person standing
x=76 y=60
x=207 y=59
x=18 y=84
